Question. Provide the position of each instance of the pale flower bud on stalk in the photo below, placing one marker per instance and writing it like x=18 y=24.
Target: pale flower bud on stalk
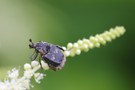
x=94 y=41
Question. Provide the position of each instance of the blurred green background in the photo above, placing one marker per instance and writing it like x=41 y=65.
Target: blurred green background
x=61 y=21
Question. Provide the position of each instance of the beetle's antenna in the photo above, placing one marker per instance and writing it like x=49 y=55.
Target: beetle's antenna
x=32 y=44
x=30 y=40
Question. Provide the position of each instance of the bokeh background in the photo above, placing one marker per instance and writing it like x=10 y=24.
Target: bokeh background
x=61 y=21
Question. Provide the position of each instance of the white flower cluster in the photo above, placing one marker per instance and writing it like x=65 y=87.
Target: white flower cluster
x=94 y=41
x=15 y=82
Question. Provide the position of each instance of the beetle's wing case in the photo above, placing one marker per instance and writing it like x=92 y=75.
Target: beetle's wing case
x=54 y=57
x=58 y=67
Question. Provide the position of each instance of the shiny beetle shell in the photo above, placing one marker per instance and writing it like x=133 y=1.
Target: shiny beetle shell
x=49 y=53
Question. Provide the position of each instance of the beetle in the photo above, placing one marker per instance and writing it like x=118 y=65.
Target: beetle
x=51 y=54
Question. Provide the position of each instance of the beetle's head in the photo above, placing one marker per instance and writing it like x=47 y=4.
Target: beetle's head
x=31 y=45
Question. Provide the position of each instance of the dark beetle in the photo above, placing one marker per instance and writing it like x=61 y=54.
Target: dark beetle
x=49 y=53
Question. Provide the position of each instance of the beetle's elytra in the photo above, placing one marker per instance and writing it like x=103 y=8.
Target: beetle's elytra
x=51 y=54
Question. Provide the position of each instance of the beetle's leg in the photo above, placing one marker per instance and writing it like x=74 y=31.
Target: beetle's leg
x=34 y=56
x=40 y=61
x=60 y=47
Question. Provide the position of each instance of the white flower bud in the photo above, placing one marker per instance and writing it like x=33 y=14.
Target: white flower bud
x=80 y=42
x=27 y=66
x=90 y=45
x=85 y=46
x=38 y=77
x=112 y=36
x=78 y=51
x=44 y=65
x=64 y=48
x=34 y=63
x=75 y=45
x=69 y=45
x=86 y=41
x=106 y=37
x=66 y=53
x=93 y=39
x=114 y=32
x=13 y=74
x=97 y=45
x=103 y=42
x=100 y=39
x=121 y=30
